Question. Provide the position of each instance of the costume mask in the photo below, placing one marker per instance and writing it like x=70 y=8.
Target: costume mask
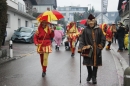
x=91 y=21
x=44 y=24
x=71 y=24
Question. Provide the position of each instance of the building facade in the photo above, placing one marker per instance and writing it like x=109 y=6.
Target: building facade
x=68 y=11
x=17 y=17
x=108 y=18
x=124 y=13
x=42 y=6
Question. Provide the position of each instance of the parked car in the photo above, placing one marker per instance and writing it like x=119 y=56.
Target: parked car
x=23 y=34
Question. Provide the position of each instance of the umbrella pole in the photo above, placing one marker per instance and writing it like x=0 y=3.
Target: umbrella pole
x=80 y=67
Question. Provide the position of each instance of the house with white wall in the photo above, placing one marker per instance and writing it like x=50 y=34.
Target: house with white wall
x=108 y=18
x=17 y=17
x=124 y=13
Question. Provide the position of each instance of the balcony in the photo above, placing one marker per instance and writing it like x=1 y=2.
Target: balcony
x=126 y=11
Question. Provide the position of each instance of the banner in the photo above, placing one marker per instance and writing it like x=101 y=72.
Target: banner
x=104 y=6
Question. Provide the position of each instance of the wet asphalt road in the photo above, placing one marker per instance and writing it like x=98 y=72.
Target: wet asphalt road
x=62 y=70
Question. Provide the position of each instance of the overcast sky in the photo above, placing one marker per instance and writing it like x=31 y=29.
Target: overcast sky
x=112 y=4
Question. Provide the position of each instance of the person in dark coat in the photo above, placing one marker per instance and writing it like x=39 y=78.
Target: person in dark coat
x=92 y=38
x=120 y=36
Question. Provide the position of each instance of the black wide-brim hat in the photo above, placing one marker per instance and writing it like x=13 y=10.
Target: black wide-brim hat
x=90 y=17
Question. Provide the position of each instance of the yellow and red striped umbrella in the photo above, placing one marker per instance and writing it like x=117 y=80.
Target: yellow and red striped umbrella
x=50 y=16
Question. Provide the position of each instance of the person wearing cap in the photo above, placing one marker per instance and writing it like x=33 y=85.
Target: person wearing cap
x=72 y=34
x=42 y=40
x=94 y=39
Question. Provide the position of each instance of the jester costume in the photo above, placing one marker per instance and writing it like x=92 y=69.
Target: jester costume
x=72 y=34
x=104 y=28
x=109 y=36
x=42 y=40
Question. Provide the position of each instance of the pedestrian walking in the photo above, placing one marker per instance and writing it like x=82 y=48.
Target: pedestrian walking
x=42 y=41
x=91 y=43
x=109 y=37
x=72 y=34
x=58 y=37
x=120 y=36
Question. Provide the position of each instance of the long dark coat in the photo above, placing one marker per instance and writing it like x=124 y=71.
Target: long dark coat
x=87 y=39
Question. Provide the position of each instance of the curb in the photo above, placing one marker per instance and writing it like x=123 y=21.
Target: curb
x=8 y=59
x=121 y=59
x=120 y=64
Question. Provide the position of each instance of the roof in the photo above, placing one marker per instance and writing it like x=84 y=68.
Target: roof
x=110 y=15
x=47 y=2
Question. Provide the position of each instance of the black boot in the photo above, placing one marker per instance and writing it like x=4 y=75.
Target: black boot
x=89 y=73
x=89 y=77
x=43 y=74
x=56 y=47
x=94 y=76
x=94 y=80
x=72 y=55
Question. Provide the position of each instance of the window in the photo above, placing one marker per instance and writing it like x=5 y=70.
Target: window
x=64 y=14
x=8 y=21
x=19 y=23
x=21 y=7
x=26 y=23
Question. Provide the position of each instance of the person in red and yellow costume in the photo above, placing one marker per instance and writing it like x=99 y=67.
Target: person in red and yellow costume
x=109 y=36
x=72 y=34
x=42 y=39
x=104 y=28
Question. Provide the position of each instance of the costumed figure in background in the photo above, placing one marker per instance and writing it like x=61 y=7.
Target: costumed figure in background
x=72 y=35
x=58 y=36
x=109 y=36
x=91 y=43
x=126 y=38
x=104 y=28
x=42 y=41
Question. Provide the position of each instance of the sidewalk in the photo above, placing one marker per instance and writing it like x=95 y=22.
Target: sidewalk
x=19 y=50
x=124 y=54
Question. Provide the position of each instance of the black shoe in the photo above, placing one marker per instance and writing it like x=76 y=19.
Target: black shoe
x=56 y=47
x=72 y=54
x=43 y=74
x=89 y=78
x=94 y=80
x=126 y=49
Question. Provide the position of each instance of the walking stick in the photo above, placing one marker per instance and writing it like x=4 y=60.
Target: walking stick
x=80 y=67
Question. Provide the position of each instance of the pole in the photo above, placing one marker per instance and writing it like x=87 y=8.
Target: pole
x=11 y=48
x=129 y=32
x=80 y=67
x=102 y=11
